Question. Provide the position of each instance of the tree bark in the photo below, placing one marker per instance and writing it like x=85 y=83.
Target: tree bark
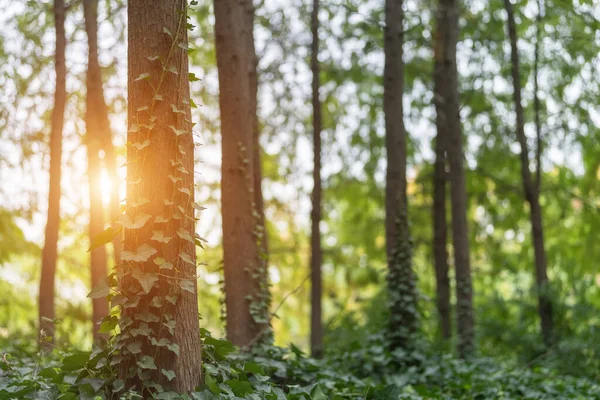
x=316 y=255
x=159 y=320
x=440 y=224
x=401 y=279
x=447 y=103
x=530 y=189
x=95 y=112
x=238 y=121
x=49 y=253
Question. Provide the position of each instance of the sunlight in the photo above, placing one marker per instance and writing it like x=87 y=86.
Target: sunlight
x=106 y=187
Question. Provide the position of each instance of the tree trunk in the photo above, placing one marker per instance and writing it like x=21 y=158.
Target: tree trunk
x=49 y=254
x=238 y=115
x=401 y=279
x=447 y=103
x=530 y=189
x=261 y=288
x=159 y=325
x=316 y=255
x=440 y=225
x=95 y=111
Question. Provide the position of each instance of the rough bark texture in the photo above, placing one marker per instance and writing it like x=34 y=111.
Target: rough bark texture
x=316 y=254
x=440 y=224
x=95 y=130
x=447 y=103
x=401 y=279
x=240 y=245
x=49 y=253
x=160 y=190
x=530 y=188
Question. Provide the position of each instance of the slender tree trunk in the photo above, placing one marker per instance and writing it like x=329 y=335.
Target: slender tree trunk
x=238 y=115
x=316 y=255
x=536 y=99
x=160 y=333
x=530 y=189
x=447 y=103
x=440 y=224
x=401 y=278
x=49 y=254
x=263 y=302
x=95 y=109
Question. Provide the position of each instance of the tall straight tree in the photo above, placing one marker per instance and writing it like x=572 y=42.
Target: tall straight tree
x=447 y=106
x=263 y=298
x=440 y=224
x=531 y=189
x=160 y=333
x=235 y=61
x=49 y=253
x=401 y=279
x=96 y=121
x=316 y=253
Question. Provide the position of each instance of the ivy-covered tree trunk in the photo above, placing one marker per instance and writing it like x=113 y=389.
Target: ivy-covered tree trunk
x=401 y=279
x=263 y=296
x=49 y=253
x=448 y=110
x=316 y=253
x=531 y=190
x=160 y=335
x=440 y=224
x=244 y=309
x=95 y=112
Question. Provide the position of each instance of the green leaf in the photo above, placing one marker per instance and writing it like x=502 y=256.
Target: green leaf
x=143 y=253
x=146 y=362
x=159 y=236
x=146 y=279
x=187 y=284
x=167 y=31
x=193 y=78
x=136 y=222
x=75 y=361
x=108 y=324
x=135 y=347
x=104 y=237
x=174 y=347
x=254 y=368
x=118 y=385
x=145 y=75
x=168 y=373
x=100 y=291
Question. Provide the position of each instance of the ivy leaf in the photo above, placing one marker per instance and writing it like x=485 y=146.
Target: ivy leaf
x=146 y=279
x=198 y=207
x=145 y=75
x=143 y=253
x=186 y=258
x=135 y=347
x=136 y=222
x=101 y=290
x=104 y=237
x=167 y=31
x=177 y=131
x=108 y=324
x=159 y=236
x=193 y=78
x=140 y=202
x=118 y=385
x=146 y=362
x=174 y=347
x=168 y=373
x=185 y=235
x=187 y=284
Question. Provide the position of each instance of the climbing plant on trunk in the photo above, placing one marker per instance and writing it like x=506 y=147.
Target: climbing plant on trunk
x=401 y=279
x=49 y=253
x=160 y=337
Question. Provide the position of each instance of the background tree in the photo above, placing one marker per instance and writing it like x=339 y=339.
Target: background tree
x=316 y=253
x=240 y=244
x=97 y=126
x=49 y=253
x=440 y=224
x=160 y=337
x=447 y=104
x=403 y=323
x=530 y=188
